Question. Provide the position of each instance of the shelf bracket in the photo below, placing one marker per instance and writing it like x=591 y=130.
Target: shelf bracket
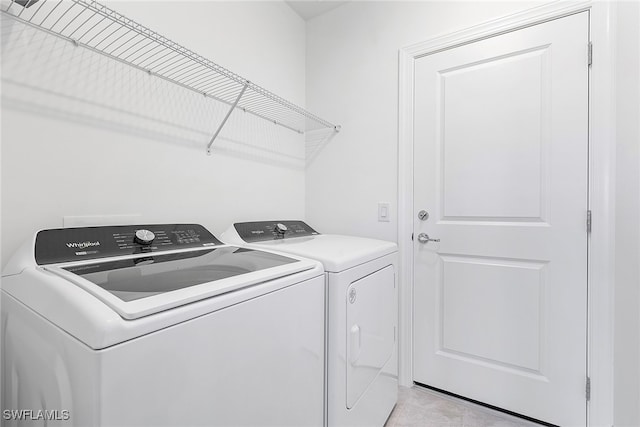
x=224 y=121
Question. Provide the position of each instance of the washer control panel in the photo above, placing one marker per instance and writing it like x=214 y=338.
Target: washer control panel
x=272 y=230
x=76 y=244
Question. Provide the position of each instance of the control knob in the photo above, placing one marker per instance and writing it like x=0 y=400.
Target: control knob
x=281 y=229
x=144 y=237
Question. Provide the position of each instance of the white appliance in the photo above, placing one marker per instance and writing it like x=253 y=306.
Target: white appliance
x=361 y=279
x=160 y=325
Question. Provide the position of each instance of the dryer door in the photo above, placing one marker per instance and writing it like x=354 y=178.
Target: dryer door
x=370 y=329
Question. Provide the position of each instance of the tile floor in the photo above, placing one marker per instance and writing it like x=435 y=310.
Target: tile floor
x=420 y=407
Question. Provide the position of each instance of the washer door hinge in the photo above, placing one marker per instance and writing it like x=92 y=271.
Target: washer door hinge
x=589 y=221
x=588 y=389
x=590 y=55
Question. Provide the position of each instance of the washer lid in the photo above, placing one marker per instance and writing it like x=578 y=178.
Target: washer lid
x=141 y=285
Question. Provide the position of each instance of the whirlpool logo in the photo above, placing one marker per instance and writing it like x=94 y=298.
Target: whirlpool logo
x=82 y=245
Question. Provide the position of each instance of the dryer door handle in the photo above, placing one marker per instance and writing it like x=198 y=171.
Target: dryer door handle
x=355 y=344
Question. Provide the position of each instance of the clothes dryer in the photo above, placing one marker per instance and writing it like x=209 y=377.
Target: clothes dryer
x=361 y=280
x=160 y=325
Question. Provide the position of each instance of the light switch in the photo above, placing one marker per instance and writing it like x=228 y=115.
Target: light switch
x=384 y=212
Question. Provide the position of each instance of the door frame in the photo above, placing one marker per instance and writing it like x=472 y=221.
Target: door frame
x=602 y=150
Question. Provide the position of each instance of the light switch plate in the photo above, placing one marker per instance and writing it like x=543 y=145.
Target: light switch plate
x=384 y=212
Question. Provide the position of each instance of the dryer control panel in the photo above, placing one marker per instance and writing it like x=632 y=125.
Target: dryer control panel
x=77 y=244
x=272 y=230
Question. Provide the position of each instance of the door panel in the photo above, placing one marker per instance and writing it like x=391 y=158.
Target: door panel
x=500 y=152
x=479 y=294
x=512 y=186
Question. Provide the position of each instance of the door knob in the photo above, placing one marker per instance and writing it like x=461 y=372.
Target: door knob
x=424 y=238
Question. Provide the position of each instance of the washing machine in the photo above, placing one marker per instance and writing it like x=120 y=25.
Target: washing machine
x=160 y=325
x=361 y=300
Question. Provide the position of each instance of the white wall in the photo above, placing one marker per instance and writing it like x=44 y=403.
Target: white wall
x=83 y=135
x=352 y=79
x=627 y=286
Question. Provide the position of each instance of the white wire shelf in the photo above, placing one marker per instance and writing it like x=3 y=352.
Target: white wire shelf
x=96 y=27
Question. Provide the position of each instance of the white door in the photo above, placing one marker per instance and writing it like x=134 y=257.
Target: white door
x=500 y=165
